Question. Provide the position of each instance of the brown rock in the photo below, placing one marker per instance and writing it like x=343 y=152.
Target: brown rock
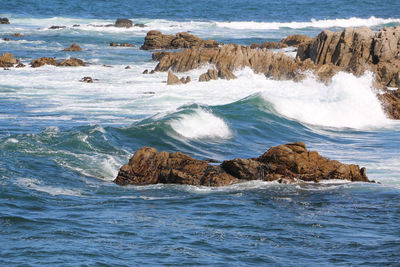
x=123 y=23
x=4 y=21
x=127 y=67
x=386 y=44
x=74 y=47
x=273 y=45
x=43 y=61
x=145 y=72
x=296 y=40
x=20 y=65
x=285 y=163
x=7 y=39
x=157 y=40
x=140 y=25
x=211 y=74
x=157 y=56
x=7 y=60
x=72 y=62
x=152 y=72
x=172 y=79
x=391 y=103
x=121 y=44
x=148 y=166
x=17 y=35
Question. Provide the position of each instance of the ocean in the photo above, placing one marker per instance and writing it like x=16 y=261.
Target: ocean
x=62 y=141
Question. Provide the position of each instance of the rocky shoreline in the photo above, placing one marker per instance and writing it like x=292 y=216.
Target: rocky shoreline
x=289 y=163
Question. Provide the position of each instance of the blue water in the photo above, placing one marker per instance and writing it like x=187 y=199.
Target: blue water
x=62 y=142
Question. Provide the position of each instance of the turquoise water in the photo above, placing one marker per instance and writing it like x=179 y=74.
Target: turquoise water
x=62 y=142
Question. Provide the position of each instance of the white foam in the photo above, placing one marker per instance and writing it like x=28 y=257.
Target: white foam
x=324 y=23
x=346 y=102
x=201 y=124
x=35 y=184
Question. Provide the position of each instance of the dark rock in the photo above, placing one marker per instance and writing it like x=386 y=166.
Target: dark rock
x=285 y=163
x=72 y=62
x=57 y=27
x=272 y=45
x=87 y=79
x=4 y=21
x=121 y=44
x=7 y=39
x=296 y=40
x=74 y=48
x=157 y=40
x=76 y=25
x=127 y=67
x=140 y=25
x=20 y=65
x=145 y=72
x=127 y=23
x=152 y=72
x=43 y=61
x=17 y=35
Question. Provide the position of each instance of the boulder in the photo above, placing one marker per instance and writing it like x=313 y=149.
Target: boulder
x=285 y=163
x=386 y=44
x=121 y=44
x=20 y=65
x=17 y=35
x=211 y=74
x=57 y=27
x=74 y=48
x=123 y=23
x=7 y=60
x=391 y=103
x=86 y=79
x=148 y=166
x=43 y=61
x=4 y=21
x=72 y=62
x=157 y=40
x=140 y=25
x=172 y=79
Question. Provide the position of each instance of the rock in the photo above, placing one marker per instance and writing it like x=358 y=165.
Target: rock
x=157 y=56
x=76 y=25
x=285 y=163
x=140 y=25
x=145 y=72
x=87 y=79
x=121 y=44
x=57 y=27
x=72 y=62
x=20 y=65
x=391 y=103
x=172 y=79
x=74 y=47
x=296 y=40
x=152 y=72
x=7 y=39
x=7 y=60
x=211 y=74
x=187 y=80
x=272 y=45
x=157 y=40
x=4 y=21
x=127 y=67
x=43 y=61
x=226 y=74
x=17 y=35
x=386 y=44
x=127 y=23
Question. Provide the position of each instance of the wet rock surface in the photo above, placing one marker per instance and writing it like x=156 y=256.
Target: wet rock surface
x=73 y=48
x=285 y=163
x=71 y=62
x=123 y=23
x=7 y=60
x=4 y=21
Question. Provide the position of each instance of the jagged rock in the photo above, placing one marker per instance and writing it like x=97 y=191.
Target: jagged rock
x=156 y=56
x=172 y=79
x=72 y=62
x=17 y=35
x=391 y=103
x=145 y=72
x=43 y=61
x=74 y=47
x=57 y=27
x=7 y=39
x=211 y=74
x=7 y=60
x=157 y=40
x=127 y=67
x=20 y=65
x=226 y=74
x=185 y=80
x=123 y=23
x=272 y=45
x=152 y=72
x=87 y=79
x=296 y=40
x=4 y=21
x=285 y=163
x=121 y=44
x=386 y=44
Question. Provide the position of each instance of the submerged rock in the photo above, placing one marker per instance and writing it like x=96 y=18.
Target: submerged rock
x=121 y=44
x=4 y=21
x=285 y=163
x=57 y=27
x=71 y=62
x=43 y=61
x=17 y=35
x=86 y=79
x=157 y=40
x=123 y=23
x=7 y=60
x=74 y=48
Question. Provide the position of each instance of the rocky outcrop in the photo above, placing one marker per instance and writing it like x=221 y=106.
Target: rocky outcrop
x=296 y=40
x=71 y=62
x=157 y=40
x=4 y=21
x=269 y=45
x=73 y=48
x=213 y=74
x=285 y=163
x=173 y=79
x=7 y=60
x=123 y=23
x=18 y=35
